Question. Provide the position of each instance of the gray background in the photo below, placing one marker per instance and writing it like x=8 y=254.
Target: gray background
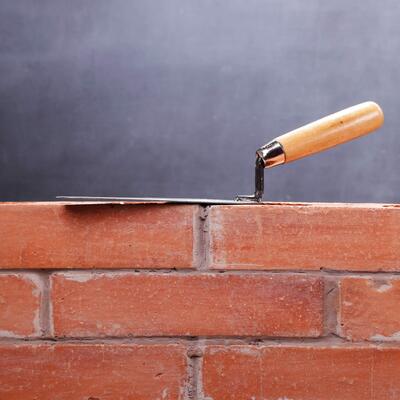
x=171 y=98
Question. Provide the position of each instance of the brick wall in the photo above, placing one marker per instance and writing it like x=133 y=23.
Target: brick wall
x=272 y=302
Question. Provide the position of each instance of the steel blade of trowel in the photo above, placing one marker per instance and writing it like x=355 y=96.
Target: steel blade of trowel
x=153 y=200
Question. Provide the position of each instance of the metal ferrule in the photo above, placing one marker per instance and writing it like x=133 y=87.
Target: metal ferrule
x=272 y=154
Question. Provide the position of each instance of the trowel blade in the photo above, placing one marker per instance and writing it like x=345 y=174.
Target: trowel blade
x=154 y=200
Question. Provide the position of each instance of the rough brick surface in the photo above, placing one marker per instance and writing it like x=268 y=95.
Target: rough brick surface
x=74 y=330
x=385 y=372
x=186 y=305
x=370 y=309
x=92 y=371
x=52 y=235
x=301 y=373
x=341 y=237
x=20 y=296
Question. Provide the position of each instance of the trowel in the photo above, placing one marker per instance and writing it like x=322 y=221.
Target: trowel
x=317 y=136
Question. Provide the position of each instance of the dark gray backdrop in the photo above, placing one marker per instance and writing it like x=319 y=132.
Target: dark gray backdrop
x=152 y=97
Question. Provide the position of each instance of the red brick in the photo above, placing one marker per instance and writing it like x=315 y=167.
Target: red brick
x=86 y=305
x=20 y=296
x=301 y=373
x=386 y=374
x=308 y=237
x=92 y=371
x=232 y=373
x=369 y=309
x=53 y=235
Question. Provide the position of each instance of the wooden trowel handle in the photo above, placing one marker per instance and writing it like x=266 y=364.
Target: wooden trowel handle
x=330 y=131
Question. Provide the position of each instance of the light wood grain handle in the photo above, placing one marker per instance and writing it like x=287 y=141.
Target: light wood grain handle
x=332 y=130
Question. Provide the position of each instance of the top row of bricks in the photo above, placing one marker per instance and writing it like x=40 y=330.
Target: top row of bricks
x=154 y=236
